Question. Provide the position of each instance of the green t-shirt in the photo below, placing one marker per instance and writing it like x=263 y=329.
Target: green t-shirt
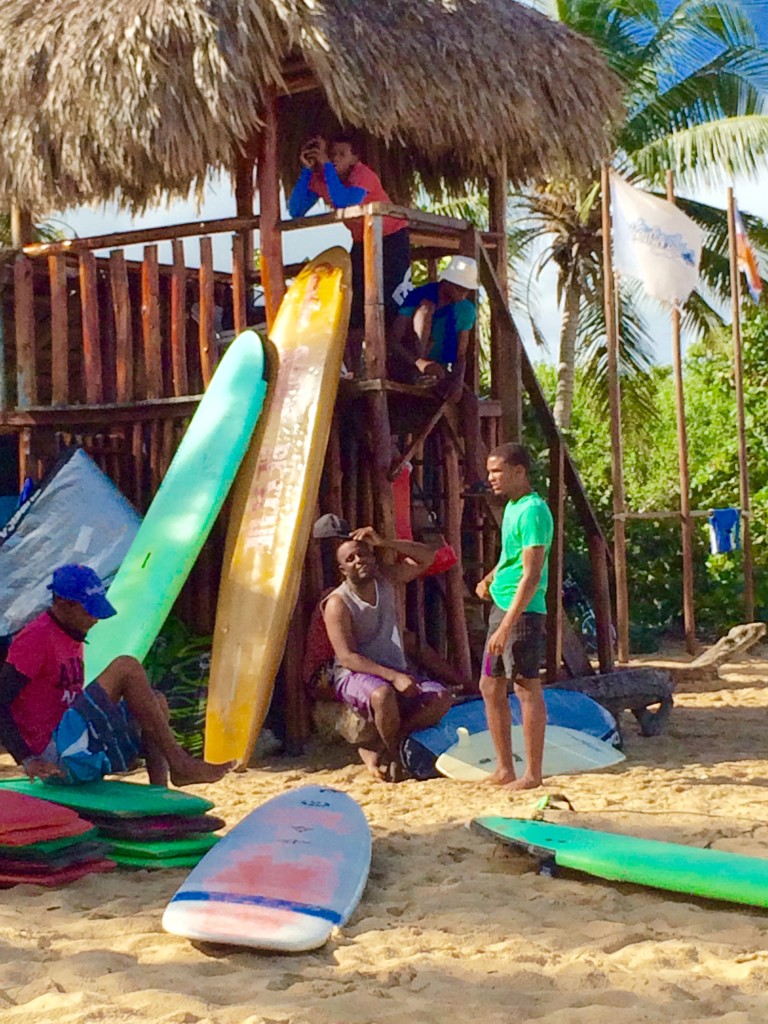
x=527 y=523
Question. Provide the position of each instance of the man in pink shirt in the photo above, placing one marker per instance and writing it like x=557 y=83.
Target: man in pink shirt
x=336 y=174
x=59 y=731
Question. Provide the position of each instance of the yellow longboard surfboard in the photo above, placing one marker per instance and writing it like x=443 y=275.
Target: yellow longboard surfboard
x=273 y=505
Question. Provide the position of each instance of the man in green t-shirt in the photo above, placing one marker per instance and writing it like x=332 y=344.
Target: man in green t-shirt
x=516 y=626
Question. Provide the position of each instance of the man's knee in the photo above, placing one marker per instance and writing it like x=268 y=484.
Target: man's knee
x=125 y=665
x=492 y=686
x=528 y=689
x=162 y=703
x=383 y=698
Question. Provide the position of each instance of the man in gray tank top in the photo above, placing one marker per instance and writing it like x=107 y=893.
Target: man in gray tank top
x=371 y=673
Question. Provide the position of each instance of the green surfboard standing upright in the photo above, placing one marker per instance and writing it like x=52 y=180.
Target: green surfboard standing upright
x=184 y=508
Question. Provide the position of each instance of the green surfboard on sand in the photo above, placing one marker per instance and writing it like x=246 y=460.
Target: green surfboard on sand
x=184 y=508
x=713 y=874
x=120 y=799
x=159 y=850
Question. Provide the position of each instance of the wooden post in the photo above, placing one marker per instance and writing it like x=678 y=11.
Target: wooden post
x=121 y=305
x=376 y=368
x=686 y=523
x=601 y=596
x=179 y=320
x=89 y=302
x=207 y=321
x=150 y=321
x=454 y=579
x=57 y=272
x=738 y=373
x=24 y=313
x=22 y=227
x=244 y=196
x=270 y=238
x=617 y=457
x=506 y=373
x=555 y=586
x=238 y=283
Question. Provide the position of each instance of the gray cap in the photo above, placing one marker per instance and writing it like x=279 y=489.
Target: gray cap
x=329 y=526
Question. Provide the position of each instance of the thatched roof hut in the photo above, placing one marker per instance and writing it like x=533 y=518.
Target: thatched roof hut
x=145 y=97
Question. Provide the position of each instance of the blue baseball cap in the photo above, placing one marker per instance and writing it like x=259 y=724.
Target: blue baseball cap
x=80 y=583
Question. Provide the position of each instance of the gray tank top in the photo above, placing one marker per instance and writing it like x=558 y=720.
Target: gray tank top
x=374 y=627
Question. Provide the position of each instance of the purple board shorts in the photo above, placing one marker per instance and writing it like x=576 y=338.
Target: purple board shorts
x=356 y=689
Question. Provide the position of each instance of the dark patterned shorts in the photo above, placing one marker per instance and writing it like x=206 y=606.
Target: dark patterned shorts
x=525 y=648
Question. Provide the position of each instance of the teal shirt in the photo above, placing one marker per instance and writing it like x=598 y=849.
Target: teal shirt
x=527 y=523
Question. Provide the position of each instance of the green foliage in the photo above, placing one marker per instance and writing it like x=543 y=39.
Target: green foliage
x=652 y=483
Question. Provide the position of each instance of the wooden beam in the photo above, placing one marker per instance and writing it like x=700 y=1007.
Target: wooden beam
x=454 y=578
x=89 y=304
x=57 y=273
x=150 y=322
x=179 y=320
x=506 y=376
x=24 y=313
x=738 y=375
x=102 y=413
x=270 y=238
x=121 y=306
x=143 y=236
x=556 y=555
x=614 y=395
x=373 y=274
x=238 y=283
x=601 y=597
x=207 y=312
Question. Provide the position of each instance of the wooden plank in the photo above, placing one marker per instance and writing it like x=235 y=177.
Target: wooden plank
x=556 y=553
x=137 y=451
x=454 y=579
x=601 y=596
x=24 y=313
x=271 y=241
x=333 y=495
x=373 y=276
x=150 y=322
x=207 y=323
x=57 y=273
x=121 y=307
x=238 y=283
x=89 y=304
x=179 y=320
x=143 y=236
x=47 y=416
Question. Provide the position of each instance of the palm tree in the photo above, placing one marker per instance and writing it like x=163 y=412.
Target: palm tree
x=696 y=81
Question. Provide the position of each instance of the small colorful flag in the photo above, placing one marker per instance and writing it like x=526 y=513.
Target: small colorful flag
x=747 y=259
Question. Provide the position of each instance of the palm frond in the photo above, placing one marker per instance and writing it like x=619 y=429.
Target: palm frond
x=708 y=154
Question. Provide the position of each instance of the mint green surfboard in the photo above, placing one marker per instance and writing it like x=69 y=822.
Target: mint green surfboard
x=184 y=508
x=714 y=874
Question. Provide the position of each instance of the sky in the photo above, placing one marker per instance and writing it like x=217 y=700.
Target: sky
x=751 y=196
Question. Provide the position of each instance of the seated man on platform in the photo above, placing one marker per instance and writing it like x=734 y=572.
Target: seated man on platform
x=335 y=173
x=371 y=672
x=59 y=731
x=428 y=344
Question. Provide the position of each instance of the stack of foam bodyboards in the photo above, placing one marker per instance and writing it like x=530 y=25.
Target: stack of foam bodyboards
x=137 y=826
x=43 y=844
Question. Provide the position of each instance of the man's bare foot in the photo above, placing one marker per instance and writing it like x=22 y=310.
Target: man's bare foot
x=501 y=777
x=370 y=759
x=526 y=782
x=190 y=771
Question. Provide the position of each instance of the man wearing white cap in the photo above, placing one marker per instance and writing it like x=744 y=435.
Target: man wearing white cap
x=428 y=343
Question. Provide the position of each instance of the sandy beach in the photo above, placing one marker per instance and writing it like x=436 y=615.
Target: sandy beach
x=450 y=925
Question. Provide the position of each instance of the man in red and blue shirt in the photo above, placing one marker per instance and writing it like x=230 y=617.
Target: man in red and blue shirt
x=336 y=174
x=61 y=732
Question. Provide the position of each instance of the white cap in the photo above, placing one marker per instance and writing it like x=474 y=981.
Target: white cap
x=460 y=270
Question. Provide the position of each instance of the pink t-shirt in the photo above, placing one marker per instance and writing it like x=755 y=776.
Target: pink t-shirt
x=52 y=660
x=360 y=176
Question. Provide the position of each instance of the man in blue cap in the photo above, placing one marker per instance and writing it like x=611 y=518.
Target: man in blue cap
x=59 y=731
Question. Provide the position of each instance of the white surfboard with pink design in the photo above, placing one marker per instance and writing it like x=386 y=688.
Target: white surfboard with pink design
x=282 y=879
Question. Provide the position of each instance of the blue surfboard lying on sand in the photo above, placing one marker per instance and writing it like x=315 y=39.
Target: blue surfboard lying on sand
x=564 y=708
x=714 y=874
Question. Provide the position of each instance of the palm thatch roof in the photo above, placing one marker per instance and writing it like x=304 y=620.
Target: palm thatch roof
x=145 y=97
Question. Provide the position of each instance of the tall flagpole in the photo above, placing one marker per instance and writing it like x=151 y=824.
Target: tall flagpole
x=686 y=523
x=617 y=457
x=738 y=372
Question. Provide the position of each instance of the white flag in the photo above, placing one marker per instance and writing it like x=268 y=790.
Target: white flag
x=656 y=242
